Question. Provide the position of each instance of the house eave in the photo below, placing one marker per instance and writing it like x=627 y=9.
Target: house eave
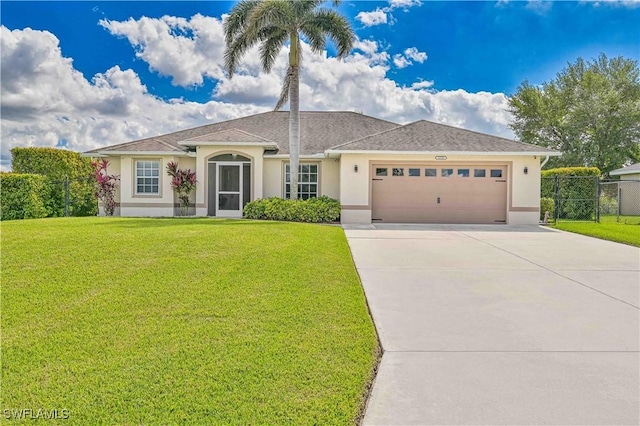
x=331 y=152
x=625 y=172
x=306 y=156
x=235 y=144
x=138 y=153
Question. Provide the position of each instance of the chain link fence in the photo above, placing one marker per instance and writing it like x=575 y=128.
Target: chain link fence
x=588 y=198
x=569 y=198
x=73 y=197
x=619 y=201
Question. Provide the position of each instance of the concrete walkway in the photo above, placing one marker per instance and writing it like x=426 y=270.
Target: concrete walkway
x=501 y=325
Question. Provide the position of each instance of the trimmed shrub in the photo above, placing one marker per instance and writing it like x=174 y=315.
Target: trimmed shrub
x=576 y=192
x=547 y=205
x=608 y=205
x=56 y=165
x=572 y=171
x=23 y=196
x=313 y=210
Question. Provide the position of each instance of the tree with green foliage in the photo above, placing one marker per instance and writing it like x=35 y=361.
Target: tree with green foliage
x=23 y=196
x=272 y=23
x=58 y=165
x=590 y=112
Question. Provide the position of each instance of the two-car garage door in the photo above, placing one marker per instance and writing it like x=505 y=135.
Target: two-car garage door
x=466 y=193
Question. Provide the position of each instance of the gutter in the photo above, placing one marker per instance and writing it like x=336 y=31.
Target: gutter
x=544 y=162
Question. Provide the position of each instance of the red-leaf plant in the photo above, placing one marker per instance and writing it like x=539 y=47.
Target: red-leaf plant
x=106 y=186
x=183 y=183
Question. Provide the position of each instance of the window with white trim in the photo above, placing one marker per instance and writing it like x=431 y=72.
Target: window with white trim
x=147 y=177
x=307 y=181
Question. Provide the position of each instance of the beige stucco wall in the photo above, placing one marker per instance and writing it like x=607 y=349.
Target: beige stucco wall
x=132 y=204
x=329 y=174
x=523 y=191
x=146 y=205
x=203 y=153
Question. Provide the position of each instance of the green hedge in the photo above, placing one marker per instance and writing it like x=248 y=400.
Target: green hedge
x=23 y=196
x=315 y=210
x=577 y=191
x=572 y=171
x=57 y=165
x=547 y=205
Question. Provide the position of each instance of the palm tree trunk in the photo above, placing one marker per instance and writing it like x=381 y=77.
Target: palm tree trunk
x=294 y=116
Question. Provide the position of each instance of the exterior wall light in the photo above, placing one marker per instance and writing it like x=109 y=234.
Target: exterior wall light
x=355 y=168
x=526 y=170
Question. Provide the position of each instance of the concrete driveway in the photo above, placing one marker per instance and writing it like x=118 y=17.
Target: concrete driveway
x=501 y=325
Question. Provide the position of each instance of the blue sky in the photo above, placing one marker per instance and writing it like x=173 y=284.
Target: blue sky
x=96 y=73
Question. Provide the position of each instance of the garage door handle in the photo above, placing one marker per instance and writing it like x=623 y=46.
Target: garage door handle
x=376 y=179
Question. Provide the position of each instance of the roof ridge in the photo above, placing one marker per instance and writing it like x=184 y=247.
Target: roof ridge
x=233 y=129
x=368 y=136
x=476 y=132
x=165 y=143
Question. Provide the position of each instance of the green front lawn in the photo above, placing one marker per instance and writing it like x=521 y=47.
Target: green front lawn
x=626 y=231
x=183 y=321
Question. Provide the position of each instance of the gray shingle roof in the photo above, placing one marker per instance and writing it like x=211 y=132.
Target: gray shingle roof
x=633 y=168
x=146 y=145
x=433 y=137
x=318 y=131
x=230 y=136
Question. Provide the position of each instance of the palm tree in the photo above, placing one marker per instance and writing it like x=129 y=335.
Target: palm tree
x=270 y=24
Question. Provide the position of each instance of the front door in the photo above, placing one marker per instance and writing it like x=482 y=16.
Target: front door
x=229 y=189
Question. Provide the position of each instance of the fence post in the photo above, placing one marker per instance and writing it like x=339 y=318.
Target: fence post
x=556 y=199
x=597 y=199
x=66 y=196
x=619 y=202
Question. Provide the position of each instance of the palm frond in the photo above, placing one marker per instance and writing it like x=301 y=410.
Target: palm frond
x=235 y=34
x=284 y=93
x=273 y=38
x=314 y=35
x=334 y=26
x=235 y=22
x=271 y=13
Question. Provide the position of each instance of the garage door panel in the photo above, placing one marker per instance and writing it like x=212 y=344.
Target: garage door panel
x=459 y=194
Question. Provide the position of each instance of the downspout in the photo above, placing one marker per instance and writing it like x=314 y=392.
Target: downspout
x=544 y=162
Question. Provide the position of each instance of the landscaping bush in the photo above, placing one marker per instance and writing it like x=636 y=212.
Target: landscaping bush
x=608 y=205
x=572 y=171
x=577 y=191
x=547 y=205
x=315 y=210
x=57 y=165
x=23 y=196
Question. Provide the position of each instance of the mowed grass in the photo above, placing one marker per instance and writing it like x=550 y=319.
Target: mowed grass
x=183 y=321
x=626 y=231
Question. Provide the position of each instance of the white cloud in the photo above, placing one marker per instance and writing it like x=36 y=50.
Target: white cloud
x=375 y=17
x=621 y=3
x=404 y=4
x=185 y=49
x=540 y=7
x=382 y=15
x=46 y=101
x=425 y=84
x=413 y=53
x=403 y=60
x=400 y=61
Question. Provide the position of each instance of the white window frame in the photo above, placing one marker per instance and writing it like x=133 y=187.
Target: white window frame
x=309 y=194
x=136 y=177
